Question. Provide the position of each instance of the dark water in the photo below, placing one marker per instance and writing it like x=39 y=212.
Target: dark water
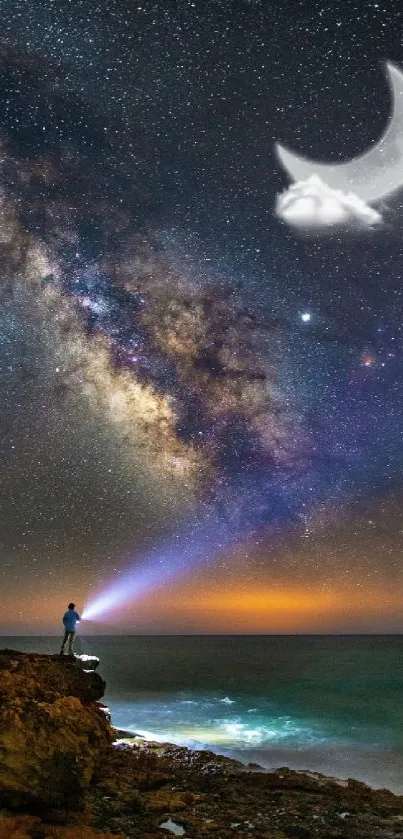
x=331 y=704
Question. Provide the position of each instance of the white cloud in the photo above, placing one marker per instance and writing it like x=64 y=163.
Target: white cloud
x=312 y=204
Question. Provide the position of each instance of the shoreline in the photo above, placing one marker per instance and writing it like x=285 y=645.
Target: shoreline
x=296 y=803
x=306 y=761
x=65 y=773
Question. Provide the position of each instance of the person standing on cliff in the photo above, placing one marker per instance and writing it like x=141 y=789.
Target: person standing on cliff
x=70 y=619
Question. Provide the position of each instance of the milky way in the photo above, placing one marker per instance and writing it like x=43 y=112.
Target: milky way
x=170 y=354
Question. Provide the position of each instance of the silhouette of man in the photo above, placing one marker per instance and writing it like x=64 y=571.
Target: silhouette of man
x=70 y=619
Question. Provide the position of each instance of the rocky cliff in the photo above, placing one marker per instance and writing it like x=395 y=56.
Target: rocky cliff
x=65 y=774
x=52 y=733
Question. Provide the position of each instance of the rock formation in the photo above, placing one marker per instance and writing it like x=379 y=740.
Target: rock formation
x=52 y=733
x=65 y=774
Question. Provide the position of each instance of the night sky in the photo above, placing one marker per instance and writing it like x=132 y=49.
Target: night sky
x=194 y=394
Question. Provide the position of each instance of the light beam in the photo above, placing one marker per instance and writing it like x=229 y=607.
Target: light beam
x=185 y=550
x=254 y=504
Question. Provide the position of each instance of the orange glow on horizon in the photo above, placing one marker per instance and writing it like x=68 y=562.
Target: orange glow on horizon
x=279 y=610
x=239 y=608
x=300 y=600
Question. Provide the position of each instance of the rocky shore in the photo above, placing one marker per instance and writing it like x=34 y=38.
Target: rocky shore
x=66 y=773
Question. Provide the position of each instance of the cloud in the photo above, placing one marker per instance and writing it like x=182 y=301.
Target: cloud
x=312 y=204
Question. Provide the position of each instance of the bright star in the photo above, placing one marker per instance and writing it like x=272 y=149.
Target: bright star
x=306 y=317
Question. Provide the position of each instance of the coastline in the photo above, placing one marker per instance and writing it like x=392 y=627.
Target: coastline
x=66 y=773
x=337 y=764
x=218 y=791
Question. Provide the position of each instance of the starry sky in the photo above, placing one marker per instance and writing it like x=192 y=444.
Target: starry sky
x=193 y=393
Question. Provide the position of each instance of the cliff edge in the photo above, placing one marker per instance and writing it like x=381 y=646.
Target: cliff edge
x=65 y=774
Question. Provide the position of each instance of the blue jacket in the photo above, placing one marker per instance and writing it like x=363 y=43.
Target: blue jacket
x=70 y=618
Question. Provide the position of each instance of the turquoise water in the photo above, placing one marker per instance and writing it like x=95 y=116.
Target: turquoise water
x=330 y=704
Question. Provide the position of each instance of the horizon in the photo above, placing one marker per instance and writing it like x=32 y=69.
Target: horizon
x=224 y=635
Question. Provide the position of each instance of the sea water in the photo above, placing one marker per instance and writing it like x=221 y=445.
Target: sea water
x=331 y=704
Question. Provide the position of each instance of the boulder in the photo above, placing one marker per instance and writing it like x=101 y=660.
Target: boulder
x=88 y=662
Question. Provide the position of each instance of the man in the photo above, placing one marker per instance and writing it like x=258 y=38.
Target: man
x=70 y=619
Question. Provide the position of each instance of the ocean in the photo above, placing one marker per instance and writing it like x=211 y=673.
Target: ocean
x=330 y=704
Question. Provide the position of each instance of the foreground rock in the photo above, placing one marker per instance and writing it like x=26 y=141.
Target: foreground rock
x=145 y=785
x=58 y=749
x=52 y=733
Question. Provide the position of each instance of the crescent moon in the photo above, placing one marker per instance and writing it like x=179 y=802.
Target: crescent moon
x=373 y=175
